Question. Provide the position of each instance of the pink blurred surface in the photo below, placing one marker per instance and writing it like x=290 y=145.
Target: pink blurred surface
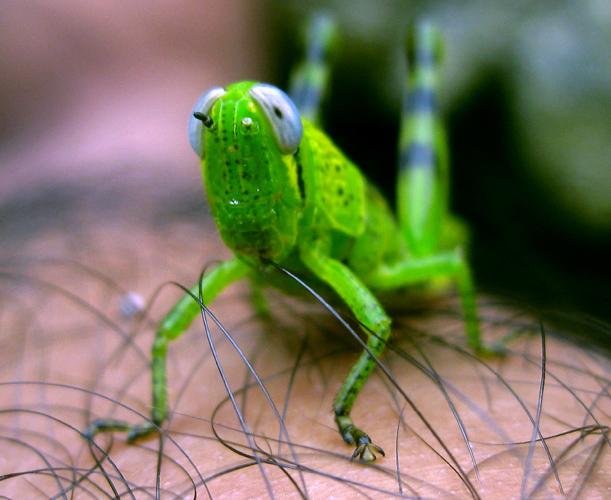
x=100 y=91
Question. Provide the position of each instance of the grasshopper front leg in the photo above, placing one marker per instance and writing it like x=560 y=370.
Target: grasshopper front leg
x=171 y=327
x=370 y=313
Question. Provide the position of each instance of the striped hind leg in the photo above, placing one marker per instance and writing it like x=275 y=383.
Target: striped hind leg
x=434 y=236
x=422 y=190
x=310 y=79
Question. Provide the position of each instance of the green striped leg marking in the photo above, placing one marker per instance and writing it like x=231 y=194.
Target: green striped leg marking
x=423 y=184
x=310 y=79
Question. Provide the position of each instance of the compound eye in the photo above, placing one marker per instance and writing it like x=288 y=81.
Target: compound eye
x=196 y=127
x=282 y=115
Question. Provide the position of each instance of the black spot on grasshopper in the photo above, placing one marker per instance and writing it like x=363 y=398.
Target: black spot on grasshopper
x=300 y=182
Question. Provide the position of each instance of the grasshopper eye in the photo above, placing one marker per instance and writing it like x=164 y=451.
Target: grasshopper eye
x=202 y=106
x=282 y=115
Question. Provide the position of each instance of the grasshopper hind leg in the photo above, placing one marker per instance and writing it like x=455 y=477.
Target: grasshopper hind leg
x=431 y=231
x=309 y=80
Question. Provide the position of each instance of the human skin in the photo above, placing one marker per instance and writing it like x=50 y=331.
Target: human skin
x=62 y=325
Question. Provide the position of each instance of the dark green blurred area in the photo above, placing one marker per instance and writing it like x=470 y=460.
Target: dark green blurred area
x=527 y=95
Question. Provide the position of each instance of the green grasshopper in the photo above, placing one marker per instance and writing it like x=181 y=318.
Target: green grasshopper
x=281 y=191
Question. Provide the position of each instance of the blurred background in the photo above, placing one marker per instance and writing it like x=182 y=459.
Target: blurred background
x=95 y=97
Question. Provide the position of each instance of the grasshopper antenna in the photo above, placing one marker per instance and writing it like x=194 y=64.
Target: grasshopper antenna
x=205 y=119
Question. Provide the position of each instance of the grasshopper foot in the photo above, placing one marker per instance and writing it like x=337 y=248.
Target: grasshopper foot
x=365 y=452
x=134 y=432
x=139 y=431
x=365 y=449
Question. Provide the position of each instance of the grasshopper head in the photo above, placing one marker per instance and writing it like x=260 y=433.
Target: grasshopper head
x=246 y=136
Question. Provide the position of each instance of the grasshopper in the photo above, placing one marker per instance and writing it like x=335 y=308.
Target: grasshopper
x=281 y=191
